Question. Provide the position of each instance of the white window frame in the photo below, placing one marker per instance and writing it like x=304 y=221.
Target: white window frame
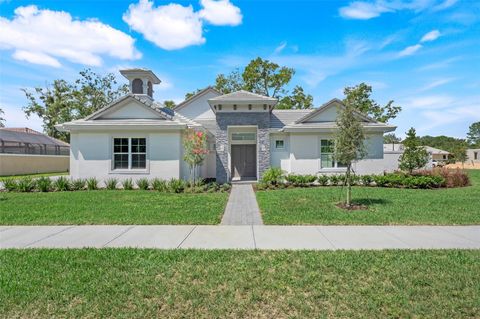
x=129 y=170
x=335 y=162
x=283 y=144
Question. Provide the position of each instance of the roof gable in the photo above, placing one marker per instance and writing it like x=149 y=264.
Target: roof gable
x=198 y=95
x=127 y=107
x=328 y=112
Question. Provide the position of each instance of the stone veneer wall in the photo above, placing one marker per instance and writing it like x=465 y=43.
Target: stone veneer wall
x=261 y=120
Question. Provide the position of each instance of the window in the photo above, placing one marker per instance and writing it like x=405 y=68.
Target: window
x=129 y=153
x=137 y=86
x=243 y=136
x=279 y=144
x=326 y=154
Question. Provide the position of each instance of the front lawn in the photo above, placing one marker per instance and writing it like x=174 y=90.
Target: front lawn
x=387 y=206
x=239 y=284
x=110 y=207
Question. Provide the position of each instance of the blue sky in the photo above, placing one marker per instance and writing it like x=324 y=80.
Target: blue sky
x=424 y=54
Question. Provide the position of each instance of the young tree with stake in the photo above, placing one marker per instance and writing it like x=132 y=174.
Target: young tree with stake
x=349 y=146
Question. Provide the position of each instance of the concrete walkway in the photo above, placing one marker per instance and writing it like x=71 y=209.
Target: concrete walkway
x=242 y=207
x=242 y=237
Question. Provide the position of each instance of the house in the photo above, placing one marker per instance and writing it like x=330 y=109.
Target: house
x=473 y=155
x=136 y=137
x=26 y=151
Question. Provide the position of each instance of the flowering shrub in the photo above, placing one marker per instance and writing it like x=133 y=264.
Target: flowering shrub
x=195 y=146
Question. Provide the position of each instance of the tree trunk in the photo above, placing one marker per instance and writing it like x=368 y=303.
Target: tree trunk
x=349 y=185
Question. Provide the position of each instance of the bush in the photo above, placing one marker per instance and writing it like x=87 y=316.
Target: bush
x=366 y=180
x=176 y=185
x=62 y=184
x=44 y=184
x=408 y=181
x=10 y=184
x=127 y=184
x=334 y=180
x=92 y=184
x=273 y=176
x=301 y=180
x=143 y=183
x=111 y=183
x=213 y=187
x=225 y=187
x=159 y=185
x=322 y=180
x=452 y=178
x=25 y=184
x=78 y=184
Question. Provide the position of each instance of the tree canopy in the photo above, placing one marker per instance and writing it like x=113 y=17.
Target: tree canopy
x=391 y=139
x=473 y=135
x=65 y=101
x=266 y=78
x=169 y=104
x=414 y=156
x=366 y=105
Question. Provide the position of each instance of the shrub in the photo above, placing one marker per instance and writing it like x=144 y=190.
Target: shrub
x=111 y=183
x=127 y=184
x=273 y=176
x=213 y=187
x=301 y=180
x=92 y=184
x=62 y=184
x=356 y=180
x=334 y=180
x=322 y=180
x=44 y=184
x=341 y=179
x=159 y=185
x=452 y=178
x=366 y=180
x=176 y=185
x=260 y=186
x=143 y=183
x=78 y=184
x=25 y=184
x=225 y=187
x=10 y=184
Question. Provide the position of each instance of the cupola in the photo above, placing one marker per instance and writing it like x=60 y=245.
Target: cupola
x=141 y=81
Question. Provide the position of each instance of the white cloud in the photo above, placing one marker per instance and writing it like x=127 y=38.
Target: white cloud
x=364 y=10
x=280 y=48
x=410 y=50
x=45 y=36
x=437 y=83
x=174 y=26
x=221 y=12
x=431 y=36
x=429 y=102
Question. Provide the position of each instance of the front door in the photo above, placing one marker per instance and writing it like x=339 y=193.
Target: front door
x=244 y=161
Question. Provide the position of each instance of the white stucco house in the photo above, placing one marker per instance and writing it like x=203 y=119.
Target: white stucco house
x=136 y=137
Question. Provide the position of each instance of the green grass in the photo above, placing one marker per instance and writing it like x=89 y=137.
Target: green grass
x=237 y=284
x=110 y=207
x=386 y=206
x=33 y=175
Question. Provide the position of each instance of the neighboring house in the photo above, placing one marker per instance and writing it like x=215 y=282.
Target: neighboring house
x=436 y=156
x=136 y=137
x=473 y=155
x=26 y=151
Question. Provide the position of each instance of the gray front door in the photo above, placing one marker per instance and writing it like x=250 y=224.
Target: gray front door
x=244 y=161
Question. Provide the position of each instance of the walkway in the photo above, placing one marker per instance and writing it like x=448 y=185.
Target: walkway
x=242 y=207
x=242 y=237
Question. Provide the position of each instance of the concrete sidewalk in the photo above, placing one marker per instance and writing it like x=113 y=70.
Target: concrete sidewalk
x=242 y=237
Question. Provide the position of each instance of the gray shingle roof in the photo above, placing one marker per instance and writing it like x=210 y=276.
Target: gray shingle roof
x=243 y=96
x=280 y=118
x=30 y=138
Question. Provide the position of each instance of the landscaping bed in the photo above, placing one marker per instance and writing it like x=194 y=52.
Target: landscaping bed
x=386 y=206
x=134 y=207
x=239 y=284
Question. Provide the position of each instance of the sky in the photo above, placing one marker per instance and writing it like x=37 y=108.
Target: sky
x=423 y=54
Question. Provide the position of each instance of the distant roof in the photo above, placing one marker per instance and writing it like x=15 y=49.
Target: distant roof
x=243 y=96
x=27 y=135
x=434 y=150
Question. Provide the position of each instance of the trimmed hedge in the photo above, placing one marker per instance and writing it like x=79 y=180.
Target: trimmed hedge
x=62 y=184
